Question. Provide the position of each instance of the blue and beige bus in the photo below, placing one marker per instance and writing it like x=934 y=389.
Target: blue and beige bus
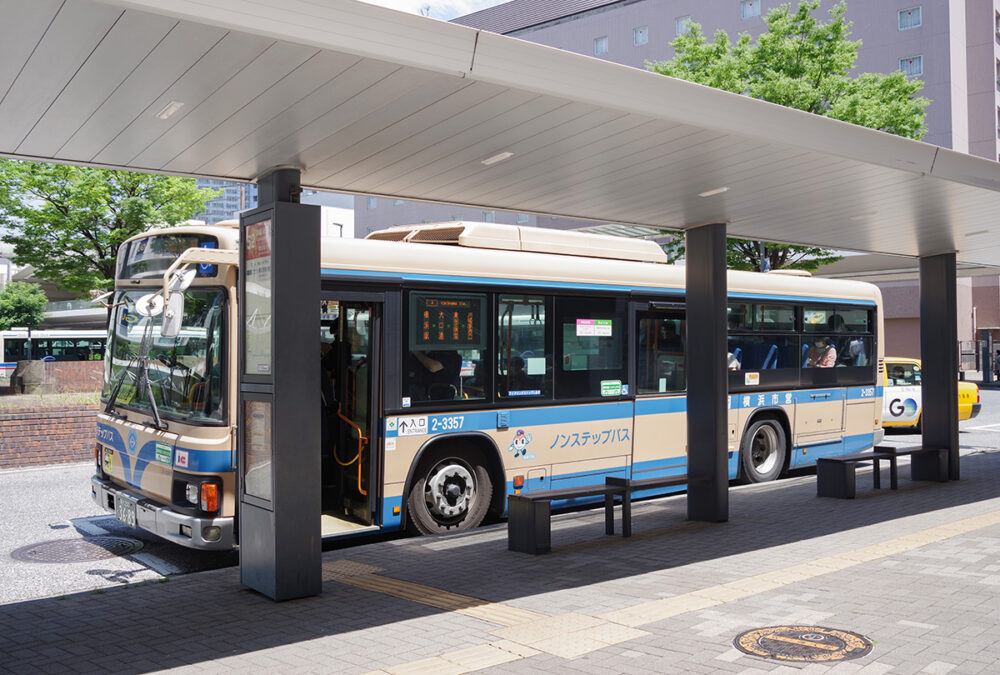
x=463 y=362
x=49 y=345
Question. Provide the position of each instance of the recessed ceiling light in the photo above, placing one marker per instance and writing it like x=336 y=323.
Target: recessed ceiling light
x=863 y=216
x=497 y=158
x=716 y=191
x=977 y=233
x=169 y=109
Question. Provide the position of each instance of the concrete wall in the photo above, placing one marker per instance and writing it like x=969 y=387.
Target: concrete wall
x=38 y=436
x=67 y=376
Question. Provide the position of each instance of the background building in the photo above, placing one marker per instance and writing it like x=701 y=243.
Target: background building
x=954 y=47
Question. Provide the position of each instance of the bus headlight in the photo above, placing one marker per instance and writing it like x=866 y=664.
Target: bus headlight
x=192 y=493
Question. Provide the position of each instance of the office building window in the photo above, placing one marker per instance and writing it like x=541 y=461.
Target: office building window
x=996 y=24
x=910 y=18
x=749 y=9
x=912 y=66
x=397 y=202
x=521 y=218
x=489 y=216
x=601 y=46
x=682 y=25
x=372 y=202
x=640 y=35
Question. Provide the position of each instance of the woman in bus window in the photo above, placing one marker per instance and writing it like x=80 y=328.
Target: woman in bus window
x=822 y=354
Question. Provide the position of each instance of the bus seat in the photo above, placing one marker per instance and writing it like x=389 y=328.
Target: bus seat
x=805 y=355
x=738 y=355
x=771 y=360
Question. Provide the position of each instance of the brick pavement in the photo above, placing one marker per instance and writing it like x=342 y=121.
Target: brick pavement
x=917 y=571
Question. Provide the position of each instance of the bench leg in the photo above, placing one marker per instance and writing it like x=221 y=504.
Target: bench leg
x=877 y=472
x=893 y=475
x=529 y=526
x=627 y=514
x=835 y=479
x=609 y=513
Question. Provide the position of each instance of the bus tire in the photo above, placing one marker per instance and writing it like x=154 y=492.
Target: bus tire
x=763 y=451
x=449 y=493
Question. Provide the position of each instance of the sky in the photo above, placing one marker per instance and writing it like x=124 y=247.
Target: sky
x=439 y=9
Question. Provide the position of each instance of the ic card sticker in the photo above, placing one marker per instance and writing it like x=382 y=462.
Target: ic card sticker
x=751 y=378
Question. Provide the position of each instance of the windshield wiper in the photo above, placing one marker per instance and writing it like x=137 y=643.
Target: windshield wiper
x=141 y=358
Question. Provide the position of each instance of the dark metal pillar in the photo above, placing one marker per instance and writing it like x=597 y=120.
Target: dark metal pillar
x=986 y=355
x=939 y=357
x=707 y=421
x=279 y=407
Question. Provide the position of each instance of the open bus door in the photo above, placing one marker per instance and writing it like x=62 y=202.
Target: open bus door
x=350 y=352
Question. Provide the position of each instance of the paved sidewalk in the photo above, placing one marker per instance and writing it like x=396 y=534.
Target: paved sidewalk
x=916 y=571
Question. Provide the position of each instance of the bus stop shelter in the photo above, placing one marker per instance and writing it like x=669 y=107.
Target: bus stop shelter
x=341 y=95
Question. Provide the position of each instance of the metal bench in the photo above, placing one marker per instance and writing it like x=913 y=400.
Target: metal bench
x=529 y=516
x=835 y=476
x=529 y=526
x=626 y=486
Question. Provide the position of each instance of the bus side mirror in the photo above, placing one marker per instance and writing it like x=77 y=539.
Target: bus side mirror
x=173 y=314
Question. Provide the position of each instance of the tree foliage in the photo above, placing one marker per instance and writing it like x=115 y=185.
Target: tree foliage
x=804 y=63
x=68 y=222
x=21 y=305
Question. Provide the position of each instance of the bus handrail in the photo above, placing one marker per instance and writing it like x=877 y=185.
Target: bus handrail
x=362 y=441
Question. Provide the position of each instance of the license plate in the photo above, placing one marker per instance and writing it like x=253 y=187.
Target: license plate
x=125 y=510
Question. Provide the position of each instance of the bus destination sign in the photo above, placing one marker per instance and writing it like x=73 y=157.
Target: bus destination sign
x=446 y=321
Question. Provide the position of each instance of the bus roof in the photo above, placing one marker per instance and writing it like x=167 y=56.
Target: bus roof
x=413 y=257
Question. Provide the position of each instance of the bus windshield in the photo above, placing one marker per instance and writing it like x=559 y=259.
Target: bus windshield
x=186 y=373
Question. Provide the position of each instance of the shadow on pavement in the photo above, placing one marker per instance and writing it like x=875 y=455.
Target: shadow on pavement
x=210 y=615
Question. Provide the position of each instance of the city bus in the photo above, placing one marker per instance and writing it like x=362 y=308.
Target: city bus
x=49 y=345
x=464 y=362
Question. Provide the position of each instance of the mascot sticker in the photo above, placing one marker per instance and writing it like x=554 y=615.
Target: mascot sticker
x=519 y=445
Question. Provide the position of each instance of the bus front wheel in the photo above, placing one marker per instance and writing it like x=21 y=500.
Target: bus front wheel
x=450 y=493
x=763 y=451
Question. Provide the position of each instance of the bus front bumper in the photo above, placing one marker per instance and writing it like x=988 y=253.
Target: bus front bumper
x=181 y=529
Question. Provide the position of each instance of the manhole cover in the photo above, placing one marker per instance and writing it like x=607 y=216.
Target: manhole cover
x=803 y=643
x=77 y=550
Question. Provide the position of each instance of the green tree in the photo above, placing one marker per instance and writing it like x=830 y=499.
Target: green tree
x=22 y=304
x=799 y=62
x=67 y=222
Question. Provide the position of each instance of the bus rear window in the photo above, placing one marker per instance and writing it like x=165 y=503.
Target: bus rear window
x=151 y=256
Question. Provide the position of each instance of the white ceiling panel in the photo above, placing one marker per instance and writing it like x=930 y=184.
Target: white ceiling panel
x=166 y=63
x=226 y=59
x=23 y=25
x=76 y=30
x=266 y=107
x=273 y=64
x=364 y=99
x=128 y=43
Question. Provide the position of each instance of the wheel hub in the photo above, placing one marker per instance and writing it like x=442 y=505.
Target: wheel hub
x=450 y=490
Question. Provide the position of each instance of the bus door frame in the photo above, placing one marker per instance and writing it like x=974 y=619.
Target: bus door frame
x=646 y=303
x=376 y=396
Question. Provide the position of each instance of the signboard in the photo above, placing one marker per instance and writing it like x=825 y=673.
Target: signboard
x=257 y=449
x=258 y=309
x=447 y=321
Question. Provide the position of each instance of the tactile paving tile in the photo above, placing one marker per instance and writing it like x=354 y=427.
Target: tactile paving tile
x=435 y=597
x=342 y=569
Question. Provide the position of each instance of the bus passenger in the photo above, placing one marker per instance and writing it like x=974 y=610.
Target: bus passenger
x=433 y=375
x=822 y=354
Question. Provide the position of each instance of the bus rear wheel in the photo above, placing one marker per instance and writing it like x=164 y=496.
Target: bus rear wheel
x=450 y=493
x=763 y=451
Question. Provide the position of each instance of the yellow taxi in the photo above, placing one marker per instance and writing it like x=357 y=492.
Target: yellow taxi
x=901 y=404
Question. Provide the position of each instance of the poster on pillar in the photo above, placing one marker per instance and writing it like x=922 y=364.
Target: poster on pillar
x=257 y=341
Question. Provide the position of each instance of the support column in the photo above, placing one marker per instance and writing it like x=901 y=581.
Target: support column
x=707 y=415
x=279 y=400
x=939 y=357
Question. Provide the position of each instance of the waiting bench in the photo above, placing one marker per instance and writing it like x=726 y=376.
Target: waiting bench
x=529 y=516
x=835 y=476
